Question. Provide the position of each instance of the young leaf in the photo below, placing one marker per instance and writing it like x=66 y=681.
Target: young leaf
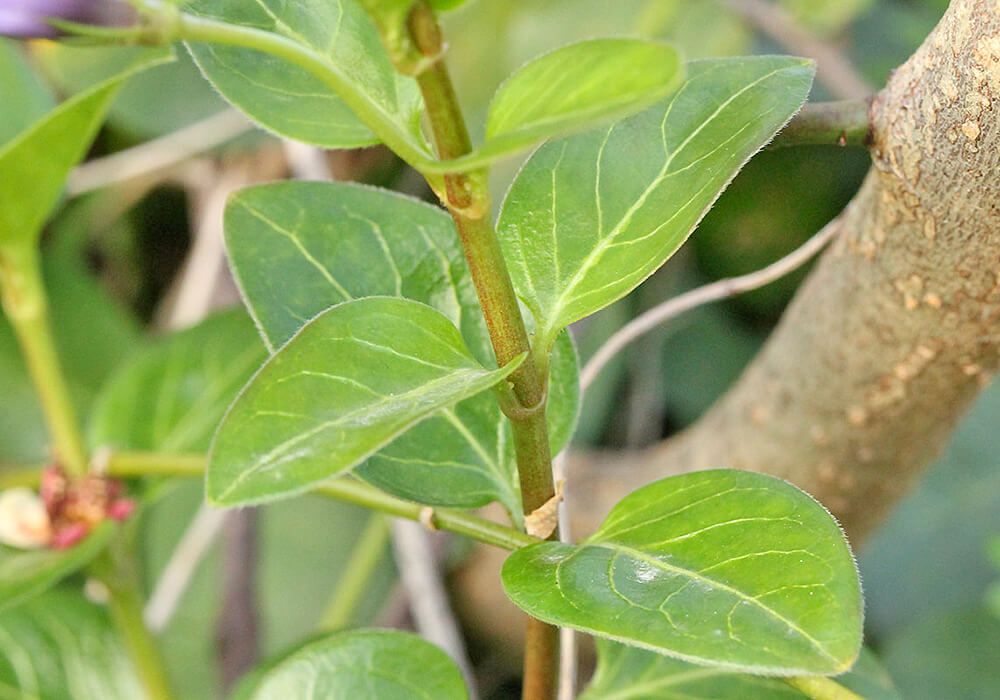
x=60 y=646
x=576 y=87
x=590 y=217
x=350 y=381
x=382 y=664
x=34 y=165
x=295 y=103
x=174 y=394
x=27 y=573
x=297 y=248
x=727 y=568
x=628 y=673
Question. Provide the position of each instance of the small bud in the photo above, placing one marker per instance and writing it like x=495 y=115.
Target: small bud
x=26 y=19
x=24 y=521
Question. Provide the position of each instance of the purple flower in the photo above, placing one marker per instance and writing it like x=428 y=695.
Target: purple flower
x=26 y=18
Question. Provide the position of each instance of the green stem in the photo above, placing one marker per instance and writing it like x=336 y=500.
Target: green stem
x=15 y=476
x=368 y=552
x=126 y=465
x=821 y=688
x=349 y=489
x=116 y=568
x=844 y=123
x=461 y=523
x=467 y=199
x=26 y=306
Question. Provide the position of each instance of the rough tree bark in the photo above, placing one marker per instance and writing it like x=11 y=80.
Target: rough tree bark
x=894 y=332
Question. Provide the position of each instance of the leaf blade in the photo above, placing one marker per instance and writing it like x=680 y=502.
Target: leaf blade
x=578 y=86
x=628 y=673
x=59 y=646
x=25 y=574
x=590 y=217
x=684 y=567
x=363 y=663
x=358 y=375
x=338 y=36
x=35 y=163
x=173 y=394
x=297 y=248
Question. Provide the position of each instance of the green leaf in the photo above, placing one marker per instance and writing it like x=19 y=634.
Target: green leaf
x=350 y=381
x=25 y=97
x=299 y=247
x=579 y=86
x=382 y=664
x=26 y=573
x=34 y=164
x=590 y=217
x=61 y=646
x=289 y=100
x=160 y=101
x=628 y=673
x=172 y=396
x=728 y=568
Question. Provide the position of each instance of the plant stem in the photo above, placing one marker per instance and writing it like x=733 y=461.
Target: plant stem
x=26 y=306
x=486 y=531
x=358 y=571
x=116 y=568
x=349 y=489
x=467 y=199
x=821 y=688
x=133 y=464
x=843 y=123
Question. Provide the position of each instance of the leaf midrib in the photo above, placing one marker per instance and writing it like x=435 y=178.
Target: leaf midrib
x=598 y=251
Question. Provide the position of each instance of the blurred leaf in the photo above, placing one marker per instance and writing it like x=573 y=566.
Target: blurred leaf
x=706 y=29
x=951 y=655
x=627 y=673
x=729 y=568
x=27 y=573
x=291 y=596
x=825 y=17
x=383 y=664
x=62 y=647
x=34 y=165
x=93 y=331
x=577 y=87
x=353 y=379
x=442 y=5
x=162 y=100
x=292 y=102
x=172 y=395
x=947 y=520
x=590 y=217
x=298 y=248
x=25 y=97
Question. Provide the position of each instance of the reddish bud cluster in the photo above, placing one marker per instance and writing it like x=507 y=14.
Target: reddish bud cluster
x=75 y=507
